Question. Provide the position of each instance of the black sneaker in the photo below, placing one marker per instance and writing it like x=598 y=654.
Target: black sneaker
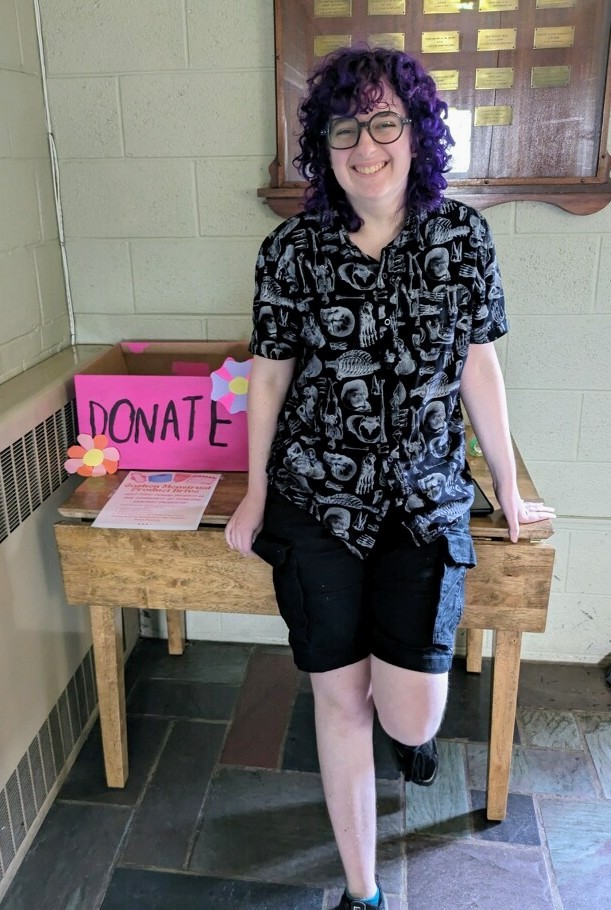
x=348 y=903
x=418 y=764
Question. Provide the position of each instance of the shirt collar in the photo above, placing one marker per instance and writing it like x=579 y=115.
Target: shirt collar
x=408 y=232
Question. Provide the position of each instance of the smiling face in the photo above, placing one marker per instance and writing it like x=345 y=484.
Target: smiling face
x=373 y=174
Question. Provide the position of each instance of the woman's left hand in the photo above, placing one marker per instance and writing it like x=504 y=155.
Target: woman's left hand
x=517 y=512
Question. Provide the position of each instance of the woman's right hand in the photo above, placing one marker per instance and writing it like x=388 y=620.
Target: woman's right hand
x=245 y=524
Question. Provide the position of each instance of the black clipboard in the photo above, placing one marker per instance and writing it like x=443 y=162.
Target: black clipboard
x=481 y=503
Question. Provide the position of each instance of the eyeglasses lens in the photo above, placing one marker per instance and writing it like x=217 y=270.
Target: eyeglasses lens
x=385 y=127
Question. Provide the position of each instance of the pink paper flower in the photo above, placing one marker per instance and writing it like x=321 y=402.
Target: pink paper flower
x=230 y=385
x=92 y=457
x=136 y=347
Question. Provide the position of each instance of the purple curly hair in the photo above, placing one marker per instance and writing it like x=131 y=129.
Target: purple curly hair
x=351 y=81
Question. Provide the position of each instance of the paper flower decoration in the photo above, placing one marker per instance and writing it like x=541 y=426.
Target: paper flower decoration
x=230 y=385
x=92 y=457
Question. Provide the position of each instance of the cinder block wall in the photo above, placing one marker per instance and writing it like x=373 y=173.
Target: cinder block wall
x=557 y=273
x=164 y=115
x=33 y=311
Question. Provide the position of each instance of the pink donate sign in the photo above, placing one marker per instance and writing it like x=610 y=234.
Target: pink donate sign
x=164 y=422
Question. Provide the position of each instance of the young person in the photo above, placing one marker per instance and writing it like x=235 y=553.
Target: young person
x=375 y=313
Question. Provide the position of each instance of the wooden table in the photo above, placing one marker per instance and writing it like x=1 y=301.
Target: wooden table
x=176 y=571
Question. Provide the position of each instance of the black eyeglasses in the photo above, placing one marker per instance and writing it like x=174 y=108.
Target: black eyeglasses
x=384 y=127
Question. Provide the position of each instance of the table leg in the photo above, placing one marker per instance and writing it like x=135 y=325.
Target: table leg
x=176 y=631
x=505 y=677
x=110 y=678
x=475 y=644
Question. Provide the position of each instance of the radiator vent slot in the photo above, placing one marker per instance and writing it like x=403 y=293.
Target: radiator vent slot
x=32 y=468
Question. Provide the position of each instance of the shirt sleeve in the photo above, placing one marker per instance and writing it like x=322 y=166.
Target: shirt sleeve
x=489 y=317
x=276 y=322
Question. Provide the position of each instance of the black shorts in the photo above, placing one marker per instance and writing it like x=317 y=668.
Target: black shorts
x=402 y=603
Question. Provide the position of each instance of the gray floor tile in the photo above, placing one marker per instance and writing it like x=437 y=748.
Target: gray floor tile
x=519 y=827
x=174 y=698
x=132 y=672
x=86 y=781
x=67 y=866
x=276 y=649
x=468 y=712
x=305 y=682
x=264 y=840
x=444 y=807
x=598 y=737
x=164 y=823
x=536 y=771
x=579 y=839
x=563 y=687
x=465 y=874
x=138 y=889
x=548 y=729
x=273 y=826
x=202 y=661
x=300 y=746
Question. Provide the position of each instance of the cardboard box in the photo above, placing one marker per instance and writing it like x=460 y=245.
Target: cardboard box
x=169 y=405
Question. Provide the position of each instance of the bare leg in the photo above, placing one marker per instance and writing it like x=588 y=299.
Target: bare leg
x=410 y=704
x=344 y=735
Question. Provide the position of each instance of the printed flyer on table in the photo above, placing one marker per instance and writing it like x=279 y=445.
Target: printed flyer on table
x=159 y=501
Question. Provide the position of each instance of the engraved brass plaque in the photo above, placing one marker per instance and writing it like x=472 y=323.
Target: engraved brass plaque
x=330 y=9
x=497 y=6
x=550 y=76
x=445 y=80
x=496 y=39
x=494 y=77
x=444 y=6
x=393 y=40
x=326 y=44
x=499 y=115
x=440 y=42
x=386 y=7
x=554 y=36
x=556 y=4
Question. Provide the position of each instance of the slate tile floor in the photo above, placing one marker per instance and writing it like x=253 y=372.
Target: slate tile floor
x=224 y=810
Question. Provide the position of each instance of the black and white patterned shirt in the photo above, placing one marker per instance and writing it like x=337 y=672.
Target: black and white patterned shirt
x=372 y=417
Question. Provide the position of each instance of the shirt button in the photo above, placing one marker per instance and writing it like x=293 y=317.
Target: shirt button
x=387 y=322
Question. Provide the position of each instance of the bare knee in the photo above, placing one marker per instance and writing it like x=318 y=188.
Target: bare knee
x=409 y=728
x=410 y=704
x=343 y=696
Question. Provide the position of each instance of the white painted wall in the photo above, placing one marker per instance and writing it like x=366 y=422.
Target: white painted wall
x=34 y=316
x=164 y=117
